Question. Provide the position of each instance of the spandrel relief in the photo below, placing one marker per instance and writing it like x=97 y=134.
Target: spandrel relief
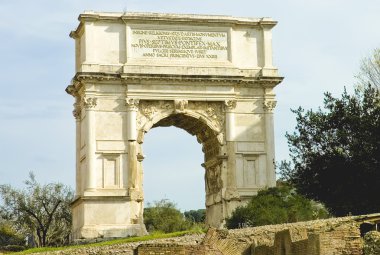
x=152 y=110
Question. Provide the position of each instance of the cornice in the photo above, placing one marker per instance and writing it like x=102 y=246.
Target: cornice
x=196 y=18
x=126 y=78
x=181 y=78
x=98 y=198
x=269 y=81
x=171 y=18
x=77 y=33
x=97 y=76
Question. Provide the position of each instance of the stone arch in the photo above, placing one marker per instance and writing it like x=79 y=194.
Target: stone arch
x=123 y=88
x=211 y=114
x=205 y=121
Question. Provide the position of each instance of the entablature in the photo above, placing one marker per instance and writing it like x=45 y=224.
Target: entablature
x=175 y=80
x=146 y=17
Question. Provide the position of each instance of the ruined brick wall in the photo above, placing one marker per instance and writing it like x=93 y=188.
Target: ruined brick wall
x=344 y=239
x=160 y=249
x=313 y=244
x=262 y=250
x=290 y=242
x=128 y=248
x=301 y=247
x=339 y=236
x=265 y=235
x=218 y=240
x=176 y=249
x=334 y=238
x=331 y=236
x=283 y=243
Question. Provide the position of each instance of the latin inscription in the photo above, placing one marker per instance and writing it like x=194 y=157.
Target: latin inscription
x=170 y=44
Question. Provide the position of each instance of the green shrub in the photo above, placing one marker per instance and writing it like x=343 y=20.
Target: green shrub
x=8 y=236
x=372 y=243
x=197 y=216
x=164 y=216
x=275 y=206
x=14 y=248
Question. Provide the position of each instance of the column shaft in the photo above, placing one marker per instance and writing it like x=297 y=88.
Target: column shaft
x=78 y=186
x=132 y=165
x=90 y=150
x=131 y=125
x=132 y=108
x=231 y=166
x=230 y=126
x=269 y=138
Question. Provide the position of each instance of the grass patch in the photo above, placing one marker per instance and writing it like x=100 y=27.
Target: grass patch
x=156 y=235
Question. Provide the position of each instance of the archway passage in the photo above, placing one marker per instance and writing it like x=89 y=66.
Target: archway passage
x=172 y=168
x=196 y=125
x=205 y=135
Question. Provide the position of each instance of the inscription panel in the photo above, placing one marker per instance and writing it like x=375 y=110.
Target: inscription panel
x=180 y=45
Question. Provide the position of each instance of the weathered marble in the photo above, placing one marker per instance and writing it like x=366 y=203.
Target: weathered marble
x=209 y=75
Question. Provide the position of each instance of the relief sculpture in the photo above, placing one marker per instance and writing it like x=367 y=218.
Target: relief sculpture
x=213 y=179
x=213 y=112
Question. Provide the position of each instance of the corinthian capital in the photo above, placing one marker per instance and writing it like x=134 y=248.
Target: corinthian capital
x=132 y=104
x=89 y=102
x=230 y=105
x=269 y=105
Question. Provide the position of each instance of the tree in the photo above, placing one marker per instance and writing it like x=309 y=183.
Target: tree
x=164 y=216
x=335 y=152
x=370 y=70
x=43 y=210
x=275 y=206
x=196 y=216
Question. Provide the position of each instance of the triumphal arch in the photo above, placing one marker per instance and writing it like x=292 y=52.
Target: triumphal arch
x=209 y=75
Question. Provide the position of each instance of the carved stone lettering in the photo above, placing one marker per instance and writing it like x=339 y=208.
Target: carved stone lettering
x=171 y=44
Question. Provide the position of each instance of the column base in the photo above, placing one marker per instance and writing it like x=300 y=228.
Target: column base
x=110 y=231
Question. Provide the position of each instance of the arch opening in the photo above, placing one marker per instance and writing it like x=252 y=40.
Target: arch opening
x=172 y=168
x=196 y=127
x=209 y=138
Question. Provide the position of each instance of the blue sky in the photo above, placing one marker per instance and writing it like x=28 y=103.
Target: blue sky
x=318 y=46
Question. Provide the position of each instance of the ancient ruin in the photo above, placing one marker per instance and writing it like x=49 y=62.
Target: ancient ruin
x=338 y=236
x=212 y=76
x=354 y=235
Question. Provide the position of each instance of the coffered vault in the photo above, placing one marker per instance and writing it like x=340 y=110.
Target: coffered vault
x=209 y=75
